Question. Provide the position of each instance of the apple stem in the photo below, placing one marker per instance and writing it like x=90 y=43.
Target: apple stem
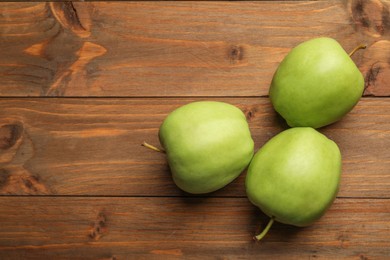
x=265 y=231
x=361 y=46
x=154 y=148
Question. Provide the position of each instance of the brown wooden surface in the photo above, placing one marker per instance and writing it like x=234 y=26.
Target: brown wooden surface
x=82 y=85
x=178 y=48
x=190 y=228
x=93 y=146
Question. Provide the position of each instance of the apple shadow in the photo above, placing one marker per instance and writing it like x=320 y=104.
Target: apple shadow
x=278 y=232
x=280 y=121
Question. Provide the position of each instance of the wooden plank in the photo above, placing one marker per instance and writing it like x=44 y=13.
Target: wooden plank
x=177 y=48
x=190 y=228
x=93 y=146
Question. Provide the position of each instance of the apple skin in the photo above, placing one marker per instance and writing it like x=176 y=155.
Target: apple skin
x=294 y=177
x=208 y=144
x=316 y=84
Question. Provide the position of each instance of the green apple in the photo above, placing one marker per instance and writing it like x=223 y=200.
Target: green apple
x=208 y=144
x=295 y=176
x=316 y=84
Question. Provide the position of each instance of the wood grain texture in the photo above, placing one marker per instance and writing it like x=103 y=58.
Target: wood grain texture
x=83 y=84
x=178 y=48
x=93 y=146
x=190 y=228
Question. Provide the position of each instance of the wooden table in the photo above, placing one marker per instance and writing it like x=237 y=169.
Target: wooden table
x=84 y=84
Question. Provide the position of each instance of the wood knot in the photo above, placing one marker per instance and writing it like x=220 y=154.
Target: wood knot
x=4 y=175
x=373 y=16
x=30 y=183
x=99 y=227
x=344 y=239
x=9 y=135
x=235 y=53
x=250 y=113
x=70 y=17
x=371 y=77
x=377 y=80
x=375 y=67
x=17 y=180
